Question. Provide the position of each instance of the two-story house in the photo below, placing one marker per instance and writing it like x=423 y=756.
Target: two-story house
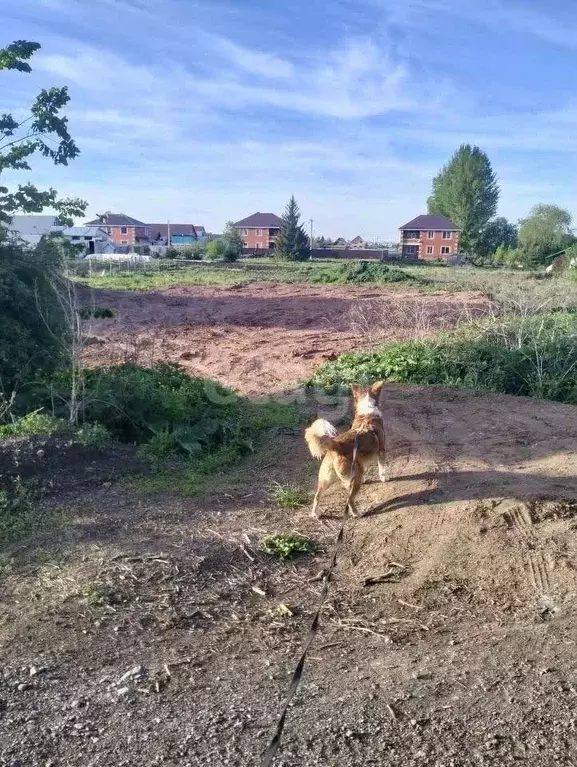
x=123 y=229
x=431 y=238
x=259 y=231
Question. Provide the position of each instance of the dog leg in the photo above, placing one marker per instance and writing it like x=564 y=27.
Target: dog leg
x=382 y=459
x=351 y=475
x=324 y=481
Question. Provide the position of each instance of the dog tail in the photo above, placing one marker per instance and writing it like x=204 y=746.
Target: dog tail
x=320 y=437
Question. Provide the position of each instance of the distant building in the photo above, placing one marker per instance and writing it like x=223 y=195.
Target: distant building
x=94 y=240
x=259 y=231
x=340 y=242
x=430 y=238
x=124 y=230
x=180 y=234
x=32 y=228
x=358 y=242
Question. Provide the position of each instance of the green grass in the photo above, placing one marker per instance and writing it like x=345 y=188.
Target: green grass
x=533 y=356
x=289 y=496
x=506 y=286
x=286 y=545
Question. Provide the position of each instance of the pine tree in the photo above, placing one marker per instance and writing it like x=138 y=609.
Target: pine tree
x=292 y=244
x=466 y=191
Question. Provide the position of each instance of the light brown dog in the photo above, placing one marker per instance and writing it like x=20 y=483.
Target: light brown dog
x=346 y=454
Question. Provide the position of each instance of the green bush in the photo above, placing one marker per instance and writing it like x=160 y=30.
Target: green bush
x=359 y=273
x=215 y=250
x=93 y=435
x=32 y=424
x=171 y=252
x=192 y=252
x=168 y=412
x=535 y=357
x=32 y=322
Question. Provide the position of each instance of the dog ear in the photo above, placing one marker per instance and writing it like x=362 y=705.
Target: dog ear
x=376 y=388
x=356 y=390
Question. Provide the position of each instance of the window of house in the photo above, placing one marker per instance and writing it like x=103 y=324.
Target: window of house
x=244 y=232
x=445 y=251
x=245 y=244
x=411 y=250
x=124 y=242
x=447 y=235
x=259 y=245
x=430 y=235
x=123 y=230
x=259 y=232
x=429 y=250
x=412 y=235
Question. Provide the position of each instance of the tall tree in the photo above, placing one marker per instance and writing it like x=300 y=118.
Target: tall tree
x=546 y=230
x=292 y=244
x=466 y=191
x=232 y=242
x=33 y=326
x=43 y=130
x=499 y=233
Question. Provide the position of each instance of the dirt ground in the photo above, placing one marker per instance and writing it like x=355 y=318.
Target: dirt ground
x=147 y=631
x=259 y=338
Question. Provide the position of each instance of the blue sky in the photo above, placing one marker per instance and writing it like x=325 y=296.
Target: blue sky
x=210 y=111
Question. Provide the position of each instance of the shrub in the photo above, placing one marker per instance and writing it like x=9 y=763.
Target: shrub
x=360 y=272
x=535 y=356
x=168 y=412
x=286 y=545
x=215 y=250
x=32 y=321
x=193 y=252
x=171 y=252
x=289 y=496
x=32 y=424
x=93 y=435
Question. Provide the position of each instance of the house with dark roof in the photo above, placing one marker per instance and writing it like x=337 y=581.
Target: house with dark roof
x=259 y=231
x=431 y=238
x=124 y=230
x=180 y=234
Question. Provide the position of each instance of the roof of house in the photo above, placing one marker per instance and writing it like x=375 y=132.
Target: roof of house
x=85 y=231
x=431 y=223
x=160 y=231
x=261 y=221
x=116 y=219
x=358 y=238
x=33 y=225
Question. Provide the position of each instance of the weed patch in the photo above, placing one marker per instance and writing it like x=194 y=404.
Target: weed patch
x=531 y=356
x=289 y=496
x=33 y=424
x=96 y=312
x=285 y=545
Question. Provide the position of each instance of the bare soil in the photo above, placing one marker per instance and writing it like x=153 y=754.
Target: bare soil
x=148 y=630
x=259 y=338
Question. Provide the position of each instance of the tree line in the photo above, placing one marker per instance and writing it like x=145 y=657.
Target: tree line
x=466 y=191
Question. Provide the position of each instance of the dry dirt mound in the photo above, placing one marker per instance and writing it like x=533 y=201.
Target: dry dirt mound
x=258 y=338
x=448 y=638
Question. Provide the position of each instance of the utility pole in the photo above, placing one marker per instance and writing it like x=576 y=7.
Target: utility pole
x=168 y=236
x=311 y=255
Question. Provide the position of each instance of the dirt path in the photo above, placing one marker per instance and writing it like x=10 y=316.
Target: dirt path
x=259 y=338
x=464 y=656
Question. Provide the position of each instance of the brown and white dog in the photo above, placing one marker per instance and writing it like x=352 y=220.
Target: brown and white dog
x=346 y=454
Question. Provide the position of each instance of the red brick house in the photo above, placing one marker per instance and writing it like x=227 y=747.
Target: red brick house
x=124 y=230
x=431 y=238
x=259 y=231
